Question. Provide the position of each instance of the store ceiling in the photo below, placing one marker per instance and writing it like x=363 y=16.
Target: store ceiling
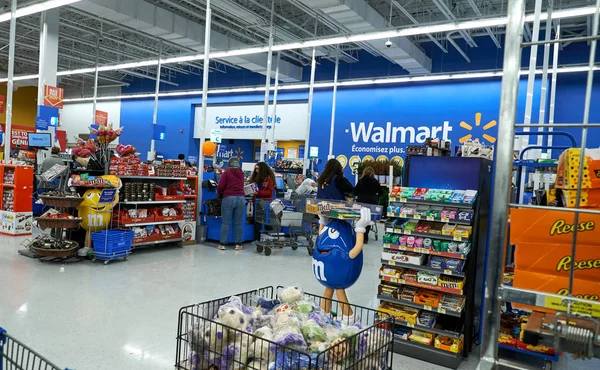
x=131 y=30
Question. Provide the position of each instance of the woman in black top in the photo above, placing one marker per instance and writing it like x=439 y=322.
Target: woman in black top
x=332 y=183
x=367 y=191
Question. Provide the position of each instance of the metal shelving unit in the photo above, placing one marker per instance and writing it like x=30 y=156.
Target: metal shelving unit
x=454 y=173
x=567 y=330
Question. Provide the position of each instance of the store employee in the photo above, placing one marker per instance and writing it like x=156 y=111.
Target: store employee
x=51 y=160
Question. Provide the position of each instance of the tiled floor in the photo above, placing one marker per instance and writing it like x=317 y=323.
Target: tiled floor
x=124 y=316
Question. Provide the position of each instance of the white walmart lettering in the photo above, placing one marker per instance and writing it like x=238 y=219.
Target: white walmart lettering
x=375 y=134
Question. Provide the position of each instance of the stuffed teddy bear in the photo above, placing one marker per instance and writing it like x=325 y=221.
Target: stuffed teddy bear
x=287 y=332
x=291 y=295
x=235 y=355
x=206 y=342
x=260 y=352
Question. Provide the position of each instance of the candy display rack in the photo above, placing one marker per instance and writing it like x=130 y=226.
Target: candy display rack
x=429 y=260
x=190 y=211
x=59 y=219
x=152 y=206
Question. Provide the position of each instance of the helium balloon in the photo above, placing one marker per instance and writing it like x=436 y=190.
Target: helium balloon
x=209 y=148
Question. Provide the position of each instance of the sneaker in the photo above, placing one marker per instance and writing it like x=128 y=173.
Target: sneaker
x=239 y=247
x=221 y=247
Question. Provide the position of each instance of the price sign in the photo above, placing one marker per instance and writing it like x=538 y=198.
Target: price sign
x=402 y=200
x=107 y=196
x=417 y=217
x=448 y=272
x=407 y=232
x=441 y=310
x=403 y=215
x=430 y=218
x=428 y=308
x=445 y=219
x=457 y=239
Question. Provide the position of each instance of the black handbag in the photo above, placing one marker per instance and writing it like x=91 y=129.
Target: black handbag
x=213 y=207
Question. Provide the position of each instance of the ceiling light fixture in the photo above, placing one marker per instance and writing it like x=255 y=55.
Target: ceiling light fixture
x=322 y=85
x=412 y=31
x=36 y=8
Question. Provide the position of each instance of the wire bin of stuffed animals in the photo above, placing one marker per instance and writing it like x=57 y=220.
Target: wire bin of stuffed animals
x=281 y=329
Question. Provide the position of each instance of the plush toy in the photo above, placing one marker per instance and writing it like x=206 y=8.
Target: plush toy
x=339 y=349
x=313 y=331
x=291 y=295
x=267 y=304
x=303 y=307
x=287 y=331
x=236 y=315
x=235 y=355
x=338 y=258
x=206 y=343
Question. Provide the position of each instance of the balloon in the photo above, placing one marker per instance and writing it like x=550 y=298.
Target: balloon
x=209 y=148
x=332 y=264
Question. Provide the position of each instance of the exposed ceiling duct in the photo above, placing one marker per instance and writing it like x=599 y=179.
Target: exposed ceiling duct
x=359 y=17
x=159 y=22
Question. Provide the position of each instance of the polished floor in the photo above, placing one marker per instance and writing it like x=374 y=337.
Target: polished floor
x=124 y=315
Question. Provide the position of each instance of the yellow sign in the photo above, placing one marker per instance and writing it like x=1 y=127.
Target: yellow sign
x=581 y=308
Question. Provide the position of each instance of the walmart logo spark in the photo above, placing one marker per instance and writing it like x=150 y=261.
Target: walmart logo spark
x=485 y=136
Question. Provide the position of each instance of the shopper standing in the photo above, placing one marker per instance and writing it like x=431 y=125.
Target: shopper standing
x=368 y=191
x=264 y=177
x=231 y=189
x=332 y=183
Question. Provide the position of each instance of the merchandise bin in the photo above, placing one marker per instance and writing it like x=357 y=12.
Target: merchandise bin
x=14 y=354
x=375 y=335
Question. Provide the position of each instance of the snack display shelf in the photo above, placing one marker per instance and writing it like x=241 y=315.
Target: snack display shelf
x=460 y=256
x=150 y=202
x=427 y=235
x=152 y=178
x=422 y=268
x=430 y=218
x=442 y=311
x=151 y=223
x=430 y=202
x=388 y=279
x=451 y=334
x=427 y=353
x=175 y=240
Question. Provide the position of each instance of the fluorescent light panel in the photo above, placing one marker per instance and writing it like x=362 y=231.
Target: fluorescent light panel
x=321 y=85
x=413 y=31
x=36 y=8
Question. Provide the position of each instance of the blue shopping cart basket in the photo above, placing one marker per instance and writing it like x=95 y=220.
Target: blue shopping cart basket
x=14 y=355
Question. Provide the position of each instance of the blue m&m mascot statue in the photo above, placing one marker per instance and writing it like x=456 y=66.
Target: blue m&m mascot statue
x=338 y=258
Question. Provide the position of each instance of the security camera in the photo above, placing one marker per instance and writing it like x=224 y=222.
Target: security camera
x=388 y=44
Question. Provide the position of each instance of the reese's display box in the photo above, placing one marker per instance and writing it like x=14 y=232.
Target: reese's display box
x=567 y=175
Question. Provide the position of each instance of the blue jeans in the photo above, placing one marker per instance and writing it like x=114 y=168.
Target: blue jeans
x=232 y=208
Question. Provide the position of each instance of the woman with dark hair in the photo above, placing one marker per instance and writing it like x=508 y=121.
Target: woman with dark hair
x=332 y=183
x=264 y=177
x=367 y=191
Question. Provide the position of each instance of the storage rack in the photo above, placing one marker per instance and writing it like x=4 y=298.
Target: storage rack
x=175 y=197
x=463 y=329
x=190 y=211
x=456 y=173
x=16 y=187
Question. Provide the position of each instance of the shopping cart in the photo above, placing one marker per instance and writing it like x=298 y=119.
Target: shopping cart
x=14 y=355
x=309 y=227
x=267 y=213
x=369 y=348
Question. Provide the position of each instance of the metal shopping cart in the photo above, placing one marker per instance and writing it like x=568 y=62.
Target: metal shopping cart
x=309 y=226
x=267 y=213
x=14 y=355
